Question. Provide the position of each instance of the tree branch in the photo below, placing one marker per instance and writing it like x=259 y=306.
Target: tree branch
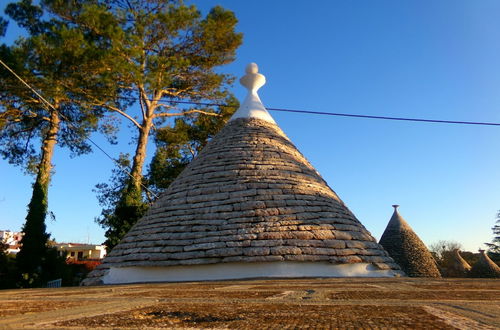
x=141 y=102
x=98 y=103
x=173 y=92
x=123 y=113
x=164 y=105
x=166 y=114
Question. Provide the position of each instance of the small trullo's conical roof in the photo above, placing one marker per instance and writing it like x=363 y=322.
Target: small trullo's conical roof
x=485 y=267
x=406 y=248
x=459 y=263
x=249 y=205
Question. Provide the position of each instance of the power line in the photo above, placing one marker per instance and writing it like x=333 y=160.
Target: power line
x=440 y=121
x=388 y=118
x=423 y=120
x=47 y=103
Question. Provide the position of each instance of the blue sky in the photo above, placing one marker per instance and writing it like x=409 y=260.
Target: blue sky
x=426 y=59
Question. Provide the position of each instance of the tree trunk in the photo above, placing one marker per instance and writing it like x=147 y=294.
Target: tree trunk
x=48 y=144
x=140 y=155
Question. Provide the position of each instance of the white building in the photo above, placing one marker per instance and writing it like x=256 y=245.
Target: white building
x=77 y=251
x=12 y=239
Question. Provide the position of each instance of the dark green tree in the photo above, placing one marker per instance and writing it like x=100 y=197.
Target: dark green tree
x=52 y=61
x=8 y=269
x=34 y=243
x=494 y=246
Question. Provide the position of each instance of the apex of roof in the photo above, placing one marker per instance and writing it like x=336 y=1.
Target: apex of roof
x=252 y=106
x=397 y=222
x=407 y=249
x=485 y=267
x=460 y=264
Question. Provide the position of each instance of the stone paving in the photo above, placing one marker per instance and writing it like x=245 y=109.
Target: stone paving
x=343 y=303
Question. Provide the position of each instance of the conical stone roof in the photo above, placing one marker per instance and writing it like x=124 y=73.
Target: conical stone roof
x=406 y=248
x=460 y=266
x=485 y=267
x=249 y=205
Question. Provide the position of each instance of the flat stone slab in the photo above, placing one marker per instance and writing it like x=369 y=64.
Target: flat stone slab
x=403 y=303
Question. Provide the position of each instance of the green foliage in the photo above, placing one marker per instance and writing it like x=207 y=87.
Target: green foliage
x=38 y=263
x=8 y=269
x=9 y=275
x=51 y=61
x=494 y=246
x=34 y=242
x=3 y=26
x=28 y=16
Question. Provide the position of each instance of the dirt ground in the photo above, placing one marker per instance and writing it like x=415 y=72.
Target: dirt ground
x=343 y=303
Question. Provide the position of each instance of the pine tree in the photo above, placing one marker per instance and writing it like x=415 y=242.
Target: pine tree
x=494 y=246
x=30 y=128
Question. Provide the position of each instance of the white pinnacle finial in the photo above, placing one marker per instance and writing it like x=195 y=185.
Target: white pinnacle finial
x=252 y=107
x=252 y=68
x=253 y=80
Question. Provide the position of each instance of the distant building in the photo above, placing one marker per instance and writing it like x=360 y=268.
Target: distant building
x=12 y=239
x=73 y=251
x=79 y=252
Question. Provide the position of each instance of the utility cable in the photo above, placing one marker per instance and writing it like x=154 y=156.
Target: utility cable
x=47 y=103
x=439 y=121
x=424 y=120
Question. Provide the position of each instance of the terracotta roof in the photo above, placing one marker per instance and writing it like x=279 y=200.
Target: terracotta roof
x=406 y=248
x=485 y=267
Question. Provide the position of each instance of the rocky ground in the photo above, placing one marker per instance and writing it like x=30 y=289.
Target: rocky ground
x=346 y=303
